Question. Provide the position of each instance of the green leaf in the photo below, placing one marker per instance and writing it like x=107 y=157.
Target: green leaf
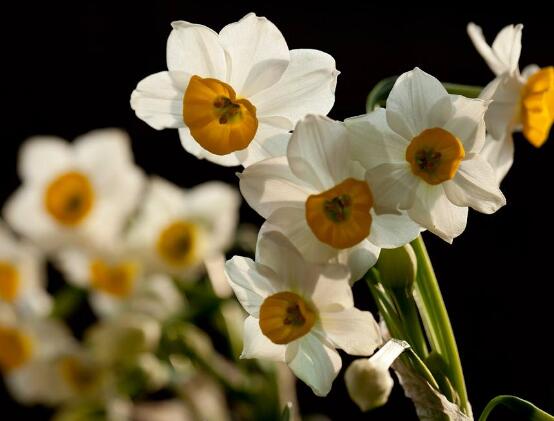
x=520 y=407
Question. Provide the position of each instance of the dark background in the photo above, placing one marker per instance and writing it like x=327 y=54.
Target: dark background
x=71 y=69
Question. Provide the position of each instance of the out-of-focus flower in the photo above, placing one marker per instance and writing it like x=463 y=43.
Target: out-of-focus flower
x=22 y=277
x=234 y=94
x=318 y=198
x=171 y=410
x=177 y=229
x=521 y=101
x=80 y=193
x=422 y=155
x=299 y=312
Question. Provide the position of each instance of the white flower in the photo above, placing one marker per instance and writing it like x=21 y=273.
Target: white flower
x=27 y=348
x=231 y=93
x=299 y=312
x=318 y=198
x=22 y=277
x=177 y=229
x=80 y=193
x=422 y=155
x=118 y=282
x=521 y=101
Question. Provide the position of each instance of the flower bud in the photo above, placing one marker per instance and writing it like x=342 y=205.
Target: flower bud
x=398 y=267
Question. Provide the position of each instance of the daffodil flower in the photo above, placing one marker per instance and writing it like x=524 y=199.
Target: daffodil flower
x=22 y=280
x=176 y=230
x=318 y=198
x=422 y=155
x=521 y=101
x=80 y=193
x=299 y=312
x=231 y=94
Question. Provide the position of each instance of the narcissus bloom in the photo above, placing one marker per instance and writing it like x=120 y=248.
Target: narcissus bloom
x=75 y=193
x=318 y=198
x=422 y=155
x=521 y=101
x=299 y=312
x=22 y=280
x=177 y=229
x=231 y=93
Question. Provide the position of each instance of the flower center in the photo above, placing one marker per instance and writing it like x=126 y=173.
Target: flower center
x=69 y=198
x=435 y=155
x=217 y=120
x=340 y=216
x=80 y=377
x=285 y=316
x=16 y=348
x=537 y=106
x=118 y=280
x=176 y=244
x=9 y=281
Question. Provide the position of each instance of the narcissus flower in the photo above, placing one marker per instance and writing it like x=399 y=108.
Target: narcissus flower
x=422 y=155
x=521 y=101
x=176 y=229
x=22 y=280
x=80 y=193
x=318 y=198
x=299 y=312
x=231 y=93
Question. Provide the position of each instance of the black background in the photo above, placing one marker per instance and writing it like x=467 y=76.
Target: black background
x=70 y=69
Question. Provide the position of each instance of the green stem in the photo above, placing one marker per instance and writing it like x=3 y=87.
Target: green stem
x=434 y=312
x=518 y=406
x=465 y=90
x=412 y=325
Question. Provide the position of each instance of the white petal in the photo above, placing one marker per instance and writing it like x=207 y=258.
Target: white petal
x=360 y=258
x=330 y=290
x=194 y=148
x=529 y=70
x=373 y=142
x=392 y=231
x=355 y=332
x=467 y=122
x=411 y=103
x=158 y=99
x=251 y=282
x=106 y=306
x=270 y=185
x=269 y=142
x=506 y=48
x=41 y=157
x=103 y=150
x=319 y=151
x=257 y=345
x=393 y=187
x=195 y=49
x=433 y=210
x=316 y=364
x=257 y=51
x=475 y=185
x=502 y=114
x=499 y=154
x=306 y=87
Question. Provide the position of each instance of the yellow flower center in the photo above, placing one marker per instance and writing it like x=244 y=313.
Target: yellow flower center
x=435 y=155
x=176 y=244
x=78 y=376
x=118 y=280
x=9 y=281
x=16 y=348
x=217 y=120
x=340 y=216
x=285 y=316
x=69 y=198
x=537 y=106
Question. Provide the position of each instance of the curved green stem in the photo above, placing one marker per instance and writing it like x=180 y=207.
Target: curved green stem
x=518 y=406
x=434 y=313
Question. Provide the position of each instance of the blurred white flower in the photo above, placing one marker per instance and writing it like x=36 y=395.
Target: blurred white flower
x=22 y=276
x=232 y=94
x=176 y=229
x=318 y=198
x=80 y=193
x=299 y=312
x=422 y=155
x=521 y=101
